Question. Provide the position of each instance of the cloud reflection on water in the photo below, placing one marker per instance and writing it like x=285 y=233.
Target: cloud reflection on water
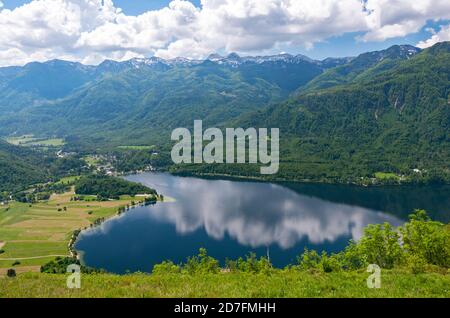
x=255 y=214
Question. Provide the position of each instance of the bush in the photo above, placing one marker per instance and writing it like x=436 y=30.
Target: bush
x=427 y=239
x=329 y=264
x=16 y=263
x=416 y=264
x=2 y=251
x=202 y=263
x=11 y=273
x=309 y=260
x=60 y=264
x=418 y=245
x=251 y=264
x=352 y=257
x=166 y=267
x=380 y=245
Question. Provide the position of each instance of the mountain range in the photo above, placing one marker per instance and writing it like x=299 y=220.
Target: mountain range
x=340 y=118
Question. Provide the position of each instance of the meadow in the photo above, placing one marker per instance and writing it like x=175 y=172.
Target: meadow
x=32 y=141
x=33 y=234
x=287 y=283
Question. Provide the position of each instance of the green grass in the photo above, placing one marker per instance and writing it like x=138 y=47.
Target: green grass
x=91 y=160
x=38 y=230
x=280 y=284
x=31 y=141
x=26 y=262
x=136 y=147
x=68 y=180
x=387 y=176
x=40 y=248
x=52 y=142
x=20 y=140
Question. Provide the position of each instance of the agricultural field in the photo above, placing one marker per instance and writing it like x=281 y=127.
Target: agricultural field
x=36 y=142
x=136 y=147
x=92 y=160
x=387 y=176
x=33 y=234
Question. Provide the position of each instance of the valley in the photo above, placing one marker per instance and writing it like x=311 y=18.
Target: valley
x=344 y=122
x=364 y=142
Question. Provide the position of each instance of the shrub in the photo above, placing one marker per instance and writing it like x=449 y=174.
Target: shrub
x=380 y=245
x=11 y=273
x=310 y=259
x=16 y=263
x=251 y=264
x=166 y=267
x=416 y=264
x=202 y=263
x=329 y=264
x=60 y=264
x=352 y=257
x=427 y=239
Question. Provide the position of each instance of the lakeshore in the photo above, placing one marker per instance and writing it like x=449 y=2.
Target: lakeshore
x=36 y=233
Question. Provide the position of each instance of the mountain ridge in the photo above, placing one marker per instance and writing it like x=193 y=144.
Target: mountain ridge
x=381 y=111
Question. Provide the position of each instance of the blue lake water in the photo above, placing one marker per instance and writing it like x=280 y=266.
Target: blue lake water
x=233 y=218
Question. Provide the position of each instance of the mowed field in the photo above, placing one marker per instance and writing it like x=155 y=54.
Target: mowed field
x=31 y=141
x=35 y=234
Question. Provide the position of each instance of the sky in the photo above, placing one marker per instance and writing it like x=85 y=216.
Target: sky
x=90 y=31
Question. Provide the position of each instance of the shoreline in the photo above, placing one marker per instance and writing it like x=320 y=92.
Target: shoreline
x=120 y=211
x=232 y=177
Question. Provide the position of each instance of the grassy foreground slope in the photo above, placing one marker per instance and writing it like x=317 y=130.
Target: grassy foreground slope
x=279 y=284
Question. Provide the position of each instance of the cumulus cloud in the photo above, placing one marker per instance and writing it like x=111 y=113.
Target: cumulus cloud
x=397 y=18
x=93 y=30
x=442 y=35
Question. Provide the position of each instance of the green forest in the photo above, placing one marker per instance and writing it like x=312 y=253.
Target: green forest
x=105 y=187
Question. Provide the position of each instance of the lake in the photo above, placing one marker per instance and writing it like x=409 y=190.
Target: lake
x=232 y=218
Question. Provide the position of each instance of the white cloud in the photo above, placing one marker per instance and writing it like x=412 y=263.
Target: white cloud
x=92 y=30
x=442 y=35
x=397 y=18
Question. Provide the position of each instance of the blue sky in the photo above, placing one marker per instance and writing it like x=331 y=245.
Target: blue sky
x=132 y=7
x=232 y=29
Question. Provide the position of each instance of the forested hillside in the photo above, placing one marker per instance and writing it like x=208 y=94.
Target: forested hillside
x=19 y=167
x=141 y=98
x=341 y=120
x=396 y=120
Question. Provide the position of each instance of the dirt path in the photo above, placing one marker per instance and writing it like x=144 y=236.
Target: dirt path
x=2 y=244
